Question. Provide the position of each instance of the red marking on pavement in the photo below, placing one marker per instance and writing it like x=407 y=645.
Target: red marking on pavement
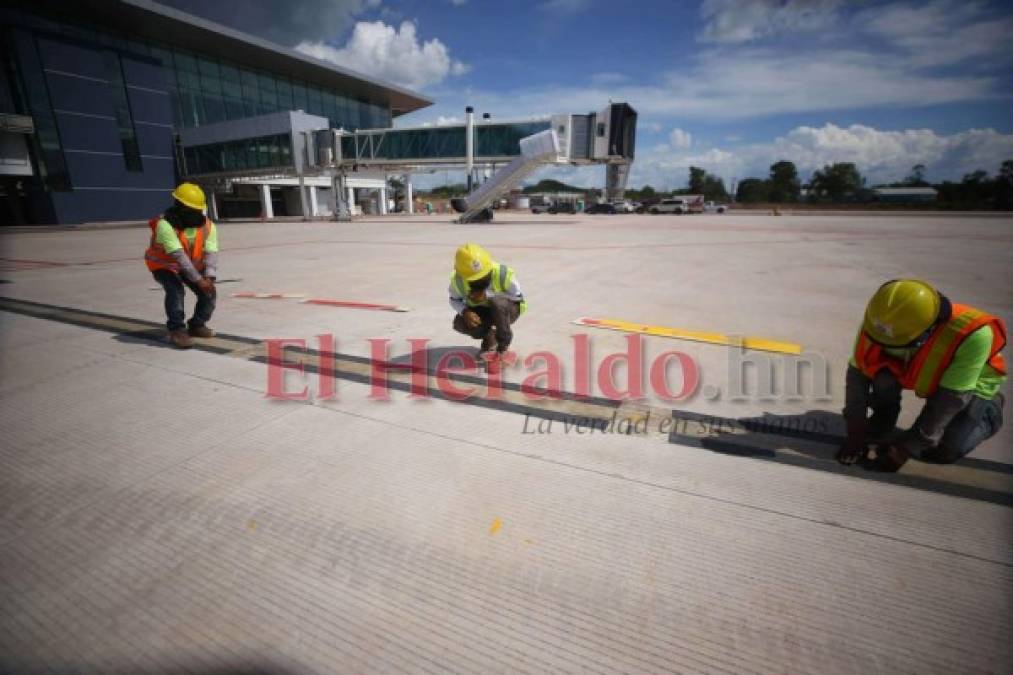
x=354 y=305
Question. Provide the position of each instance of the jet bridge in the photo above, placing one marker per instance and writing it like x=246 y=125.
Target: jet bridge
x=296 y=145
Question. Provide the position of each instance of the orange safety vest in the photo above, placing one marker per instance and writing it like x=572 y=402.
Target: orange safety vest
x=157 y=259
x=925 y=369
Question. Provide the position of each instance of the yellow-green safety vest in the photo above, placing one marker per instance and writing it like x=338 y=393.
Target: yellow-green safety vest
x=501 y=280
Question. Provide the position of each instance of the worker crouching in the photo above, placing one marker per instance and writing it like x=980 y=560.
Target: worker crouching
x=487 y=300
x=184 y=252
x=914 y=338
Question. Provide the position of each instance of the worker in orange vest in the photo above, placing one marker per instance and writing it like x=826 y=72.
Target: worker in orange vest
x=184 y=252
x=914 y=338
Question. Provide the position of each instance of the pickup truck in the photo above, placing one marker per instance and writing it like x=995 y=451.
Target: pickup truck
x=713 y=207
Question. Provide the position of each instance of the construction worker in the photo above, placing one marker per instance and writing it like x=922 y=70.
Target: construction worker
x=913 y=337
x=486 y=298
x=184 y=252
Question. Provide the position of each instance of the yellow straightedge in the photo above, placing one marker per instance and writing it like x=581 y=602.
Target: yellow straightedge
x=757 y=343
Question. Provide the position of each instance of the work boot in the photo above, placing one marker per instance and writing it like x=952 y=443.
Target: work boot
x=489 y=341
x=489 y=360
x=201 y=332
x=180 y=339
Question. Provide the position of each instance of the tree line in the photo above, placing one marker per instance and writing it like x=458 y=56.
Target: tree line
x=842 y=182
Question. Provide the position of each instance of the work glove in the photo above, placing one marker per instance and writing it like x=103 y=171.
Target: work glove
x=207 y=286
x=854 y=448
x=472 y=319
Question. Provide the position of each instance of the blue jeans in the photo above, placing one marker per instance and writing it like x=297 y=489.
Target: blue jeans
x=175 y=311
x=977 y=422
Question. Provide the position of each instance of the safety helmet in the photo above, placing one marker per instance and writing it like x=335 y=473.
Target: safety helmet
x=472 y=262
x=901 y=311
x=190 y=194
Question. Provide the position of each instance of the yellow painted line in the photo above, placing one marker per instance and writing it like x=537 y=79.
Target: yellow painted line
x=757 y=343
x=497 y=525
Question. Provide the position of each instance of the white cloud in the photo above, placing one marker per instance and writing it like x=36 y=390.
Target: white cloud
x=608 y=78
x=734 y=21
x=680 y=139
x=941 y=32
x=881 y=156
x=389 y=53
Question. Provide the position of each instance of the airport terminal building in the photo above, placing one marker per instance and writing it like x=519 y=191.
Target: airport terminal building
x=106 y=104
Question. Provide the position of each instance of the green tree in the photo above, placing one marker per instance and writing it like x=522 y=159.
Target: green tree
x=696 y=180
x=784 y=185
x=917 y=177
x=714 y=188
x=1004 y=186
x=752 y=190
x=837 y=182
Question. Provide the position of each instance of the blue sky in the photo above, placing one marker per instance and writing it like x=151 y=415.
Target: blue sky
x=728 y=85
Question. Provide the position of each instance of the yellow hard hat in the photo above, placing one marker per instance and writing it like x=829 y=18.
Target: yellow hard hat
x=900 y=311
x=472 y=262
x=191 y=195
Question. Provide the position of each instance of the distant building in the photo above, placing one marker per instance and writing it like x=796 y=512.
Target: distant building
x=906 y=195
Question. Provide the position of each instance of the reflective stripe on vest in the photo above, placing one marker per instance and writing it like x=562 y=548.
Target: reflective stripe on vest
x=156 y=257
x=926 y=368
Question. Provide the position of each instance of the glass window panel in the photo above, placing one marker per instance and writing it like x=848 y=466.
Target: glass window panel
x=189 y=81
x=251 y=92
x=315 y=102
x=284 y=88
x=234 y=109
x=210 y=80
x=299 y=97
x=214 y=108
x=229 y=72
x=286 y=150
x=268 y=93
x=332 y=109
x=185 y=62
x=365 y=116
x=352 y=114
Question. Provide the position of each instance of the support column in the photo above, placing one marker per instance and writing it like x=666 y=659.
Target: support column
x=303 y=201
x=338 y=194
x=266 y=208
x=469 y=148
x=313 y=201
x=409 y=194
x=351 y=199
x=383 y=201
x=212 y=206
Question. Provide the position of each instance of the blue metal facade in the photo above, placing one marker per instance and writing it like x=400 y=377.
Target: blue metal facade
x=104 y=144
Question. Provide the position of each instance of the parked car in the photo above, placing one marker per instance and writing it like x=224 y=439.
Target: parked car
x=539 y=208
x=645 y=206
x=563 y=207
x=714 y=207
x=624 y=206
x=604 y=207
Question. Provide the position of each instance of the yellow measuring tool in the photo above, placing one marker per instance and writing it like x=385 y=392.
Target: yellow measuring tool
x=761 y=344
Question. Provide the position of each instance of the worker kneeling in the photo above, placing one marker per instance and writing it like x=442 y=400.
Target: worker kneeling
x=913 y=337
x=184 y=251
x=487 y=298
